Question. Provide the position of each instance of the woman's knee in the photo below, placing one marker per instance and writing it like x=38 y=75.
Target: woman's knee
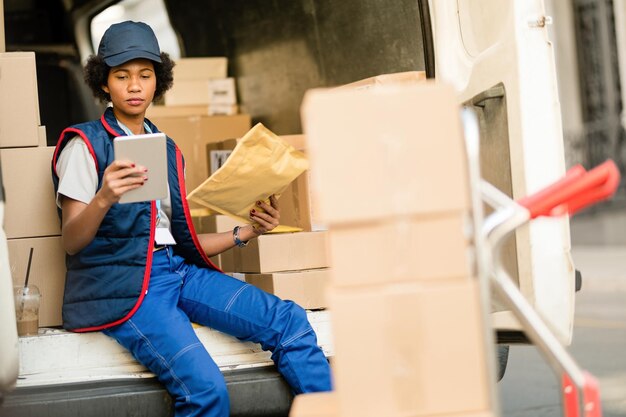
x=295 y=322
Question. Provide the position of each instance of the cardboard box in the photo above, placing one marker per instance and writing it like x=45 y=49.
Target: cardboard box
x=218 y=152
x=19 y=103
x=222 y=91
x=47 y=272
x=409 y=350
x=306 y=288
x=297 y=141
x=316 y=404
x=202 y=92
x=201 y=110
x=401 y=250
x=402 y=78
x=215 y=223
x=200 y=68
x=385 y=152
x=42 y=137
x=192 y=134
x=30 y=207
x=276 y=252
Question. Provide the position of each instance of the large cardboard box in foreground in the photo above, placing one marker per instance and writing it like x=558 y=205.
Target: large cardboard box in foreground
x=30 y=207
x=276 y=252
x=315 y=404
x=306 y=288
x=19 y=102
x=2 y=45
x=324 y=404
x=389 y=151
x=192 y=134
x=425 y=248
x=404 y=78
x=409 y=350
x=47 y=272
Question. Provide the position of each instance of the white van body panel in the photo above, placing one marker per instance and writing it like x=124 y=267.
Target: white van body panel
x=8 y=328
x=479 y=45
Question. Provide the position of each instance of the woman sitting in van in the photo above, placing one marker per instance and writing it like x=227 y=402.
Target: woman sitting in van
x=138 y=272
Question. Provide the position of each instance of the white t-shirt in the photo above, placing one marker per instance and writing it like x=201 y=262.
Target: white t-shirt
x=78 y=179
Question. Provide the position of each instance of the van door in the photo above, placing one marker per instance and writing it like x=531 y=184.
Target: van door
x=498 y=56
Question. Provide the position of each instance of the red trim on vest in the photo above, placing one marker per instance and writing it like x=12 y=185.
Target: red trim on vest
x=183 y=196
x=146 y=279
x=84 y=138
x=108 y=127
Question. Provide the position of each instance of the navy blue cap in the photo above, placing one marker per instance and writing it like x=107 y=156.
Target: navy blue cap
x=128 y=40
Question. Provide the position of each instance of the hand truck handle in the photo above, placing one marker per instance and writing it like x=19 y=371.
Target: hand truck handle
x=587 y=406
x=577 y=190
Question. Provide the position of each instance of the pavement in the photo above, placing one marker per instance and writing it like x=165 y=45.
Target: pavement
x=530 y=389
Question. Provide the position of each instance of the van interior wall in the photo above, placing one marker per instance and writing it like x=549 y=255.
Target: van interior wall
x=279 y=49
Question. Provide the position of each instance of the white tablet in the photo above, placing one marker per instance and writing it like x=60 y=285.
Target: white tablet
x=149 y=150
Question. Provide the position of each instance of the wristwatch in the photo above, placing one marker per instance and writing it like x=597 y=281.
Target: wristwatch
x=238 y=241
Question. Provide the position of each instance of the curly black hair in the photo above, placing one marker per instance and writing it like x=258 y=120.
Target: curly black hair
x=97 y=72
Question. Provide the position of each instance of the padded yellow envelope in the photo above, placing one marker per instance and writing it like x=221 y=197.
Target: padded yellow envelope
x=261 y=164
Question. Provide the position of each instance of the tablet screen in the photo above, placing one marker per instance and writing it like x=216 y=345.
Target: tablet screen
x=150 y=151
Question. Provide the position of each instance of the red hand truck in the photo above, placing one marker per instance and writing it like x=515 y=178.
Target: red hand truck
x=577 y=190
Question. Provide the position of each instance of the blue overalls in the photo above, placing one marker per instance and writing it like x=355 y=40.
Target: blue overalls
x=170 y=293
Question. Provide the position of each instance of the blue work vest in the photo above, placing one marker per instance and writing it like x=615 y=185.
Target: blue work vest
x=107 y=280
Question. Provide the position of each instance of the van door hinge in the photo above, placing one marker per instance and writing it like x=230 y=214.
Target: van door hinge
x=539 y=21
x=490 y=94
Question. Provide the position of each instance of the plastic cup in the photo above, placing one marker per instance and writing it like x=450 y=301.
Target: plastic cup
x=27 y=302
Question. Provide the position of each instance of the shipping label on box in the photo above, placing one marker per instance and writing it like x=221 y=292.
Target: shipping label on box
x=222 y=91
x=19 y=103
x=415 y=363
x=404 y=144
x=192 y=134
x=47 y=272
x=305 y=288
x=276 y=252
x=30 y=207
x=200 y=68
x=401 y=250
x=218 y=152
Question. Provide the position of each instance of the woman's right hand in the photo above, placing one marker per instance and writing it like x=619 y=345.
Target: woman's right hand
x=119 y=178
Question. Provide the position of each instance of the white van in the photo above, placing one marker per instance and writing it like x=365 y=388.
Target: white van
x=495 y=53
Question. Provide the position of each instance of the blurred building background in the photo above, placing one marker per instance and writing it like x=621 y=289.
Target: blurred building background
x=589 y=39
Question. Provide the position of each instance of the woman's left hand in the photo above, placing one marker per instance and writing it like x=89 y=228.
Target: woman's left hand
x=265 y=222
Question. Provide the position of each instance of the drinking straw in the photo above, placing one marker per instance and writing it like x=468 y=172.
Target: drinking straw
x=30 y=260
x=25 y=289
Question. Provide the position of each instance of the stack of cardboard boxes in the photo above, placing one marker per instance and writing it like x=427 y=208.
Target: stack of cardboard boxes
x=30 y=219
x=407 y=323
x=200 y=108
x=293 y=266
